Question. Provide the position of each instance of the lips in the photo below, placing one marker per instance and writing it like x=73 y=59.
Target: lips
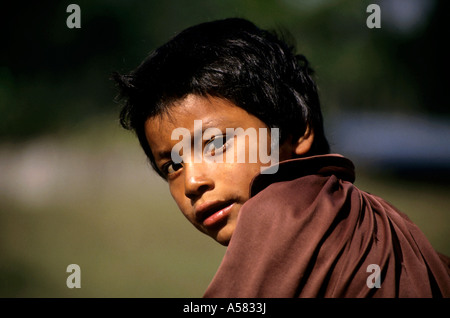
x=212 y=213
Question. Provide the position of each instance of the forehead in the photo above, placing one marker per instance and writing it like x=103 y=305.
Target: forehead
x=191 y=107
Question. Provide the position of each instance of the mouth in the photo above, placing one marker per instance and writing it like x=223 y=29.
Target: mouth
x=211 y=213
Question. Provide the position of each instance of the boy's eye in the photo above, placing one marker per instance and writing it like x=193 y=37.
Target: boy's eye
x=214 y=144
x=171 y=167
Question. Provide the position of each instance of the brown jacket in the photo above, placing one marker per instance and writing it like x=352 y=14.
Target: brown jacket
x=307 y=231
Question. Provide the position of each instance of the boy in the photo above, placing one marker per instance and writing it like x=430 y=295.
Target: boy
x=298 y=229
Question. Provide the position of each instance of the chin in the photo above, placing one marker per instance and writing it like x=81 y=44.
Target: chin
x=223 y=242
x=223 y=236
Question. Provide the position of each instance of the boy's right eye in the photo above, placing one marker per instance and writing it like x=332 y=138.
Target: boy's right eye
x=171 y=167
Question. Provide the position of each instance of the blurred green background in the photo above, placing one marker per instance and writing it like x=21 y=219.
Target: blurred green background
x=75 y=188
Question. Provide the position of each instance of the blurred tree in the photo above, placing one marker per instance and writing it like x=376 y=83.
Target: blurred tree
x=52 y=77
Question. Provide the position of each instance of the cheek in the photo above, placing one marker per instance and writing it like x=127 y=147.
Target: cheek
x=239 y=176
x=183 y=202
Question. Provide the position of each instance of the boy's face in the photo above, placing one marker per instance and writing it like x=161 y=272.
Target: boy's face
x=208 y=193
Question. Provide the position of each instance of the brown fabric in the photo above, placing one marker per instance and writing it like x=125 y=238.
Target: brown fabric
x=309 y=232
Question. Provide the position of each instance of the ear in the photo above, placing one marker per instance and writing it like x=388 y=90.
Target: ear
x=304 y=143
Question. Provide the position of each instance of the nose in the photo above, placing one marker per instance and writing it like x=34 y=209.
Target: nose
x=197 y=180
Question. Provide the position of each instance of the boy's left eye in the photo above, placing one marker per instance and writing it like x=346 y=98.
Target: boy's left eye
x=214 y=144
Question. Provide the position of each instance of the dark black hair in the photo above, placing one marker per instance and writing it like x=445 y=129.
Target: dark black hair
x=231 y=59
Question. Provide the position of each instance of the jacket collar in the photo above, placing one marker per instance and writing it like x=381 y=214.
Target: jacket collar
x=326 y=165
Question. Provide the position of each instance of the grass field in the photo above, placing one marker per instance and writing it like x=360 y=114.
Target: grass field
x=90 y=198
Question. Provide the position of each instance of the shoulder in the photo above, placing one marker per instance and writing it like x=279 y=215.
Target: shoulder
x=263 y=259
x=296 y=195
x=298 y=212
